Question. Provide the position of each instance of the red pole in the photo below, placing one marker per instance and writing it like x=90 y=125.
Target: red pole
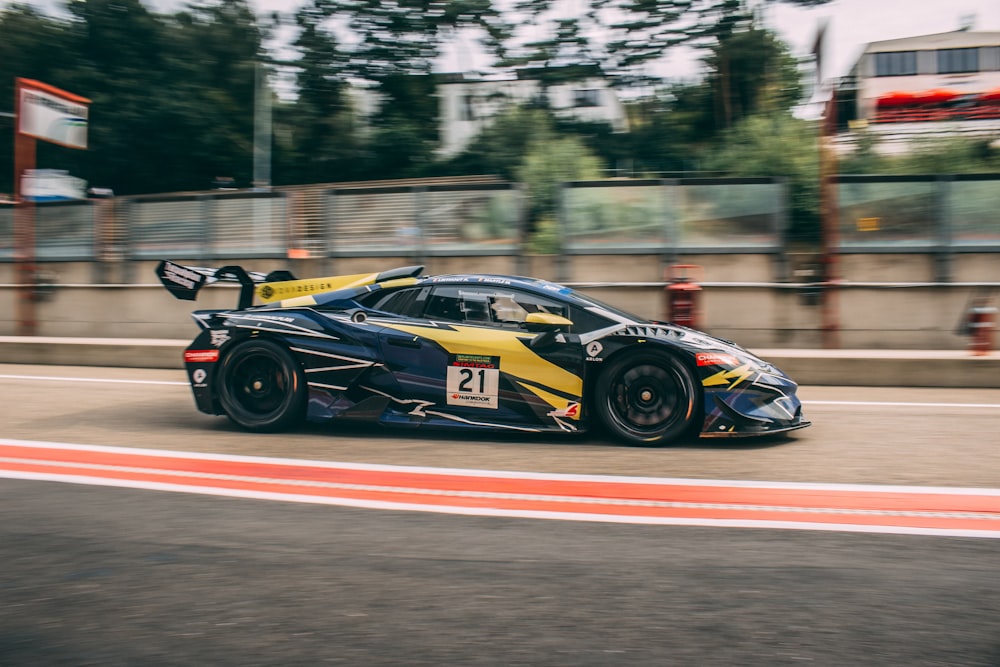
x=24 y=225
x=829 y=211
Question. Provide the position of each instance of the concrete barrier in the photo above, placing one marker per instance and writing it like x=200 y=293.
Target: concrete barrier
x=869 y=368
x=110 y=352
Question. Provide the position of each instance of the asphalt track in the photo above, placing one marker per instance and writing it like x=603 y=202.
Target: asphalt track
x=105 y=575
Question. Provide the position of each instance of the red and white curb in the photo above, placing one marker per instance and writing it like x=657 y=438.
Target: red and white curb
x=963 y=512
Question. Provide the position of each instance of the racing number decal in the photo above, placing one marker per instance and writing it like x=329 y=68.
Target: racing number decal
x=473 y=380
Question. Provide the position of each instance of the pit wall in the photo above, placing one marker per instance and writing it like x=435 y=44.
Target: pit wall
x=887 y=301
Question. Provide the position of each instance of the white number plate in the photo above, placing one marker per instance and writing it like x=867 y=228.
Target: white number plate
x=473 y=387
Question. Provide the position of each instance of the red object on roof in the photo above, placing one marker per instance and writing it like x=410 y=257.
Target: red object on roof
x=937 y=96
x=897 y=98
x=990 y=96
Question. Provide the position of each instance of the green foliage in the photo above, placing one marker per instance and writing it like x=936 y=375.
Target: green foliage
x=549 y=163
x=751 y=71
x=501 y=146
x=933 y=155
x=405 y=36
x=32 y=46
x=623 y=37
x=865 y=158
x=172 y=95
x=777 y=145
x=949 y=155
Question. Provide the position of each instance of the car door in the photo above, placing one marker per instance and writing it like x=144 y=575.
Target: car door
x=470 y=358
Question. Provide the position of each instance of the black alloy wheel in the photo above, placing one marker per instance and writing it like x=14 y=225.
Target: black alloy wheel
x=648 y=398
x=262 y=387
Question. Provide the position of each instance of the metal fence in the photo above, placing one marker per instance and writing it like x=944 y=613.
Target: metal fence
x=64 y=231
x=249 y=224
x=938 y=214
x=953 y=213
x=424 y=221
x=703 y=215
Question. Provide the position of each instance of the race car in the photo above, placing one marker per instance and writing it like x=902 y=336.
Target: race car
x=467 y=351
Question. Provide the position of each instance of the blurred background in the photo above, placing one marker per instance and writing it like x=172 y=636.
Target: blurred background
x=536 y=92
x=800 y=141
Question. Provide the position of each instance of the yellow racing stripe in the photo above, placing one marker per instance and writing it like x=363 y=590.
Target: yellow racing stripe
x=516 y=358
x=289 y=289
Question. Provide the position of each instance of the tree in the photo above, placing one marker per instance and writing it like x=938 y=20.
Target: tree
x=624 y=37
x=34 y=46
x=395 y=37
x=549 y=162
x=501 y=146
x=750 y=71
x=776 y=144
x=318 y=137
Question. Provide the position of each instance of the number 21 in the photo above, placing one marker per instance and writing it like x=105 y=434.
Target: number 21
x=467 y=377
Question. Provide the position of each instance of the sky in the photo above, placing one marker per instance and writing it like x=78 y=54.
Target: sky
x=851 y=25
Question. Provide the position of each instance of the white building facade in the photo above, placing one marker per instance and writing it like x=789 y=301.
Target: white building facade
x=468 y=104
x=931 y=85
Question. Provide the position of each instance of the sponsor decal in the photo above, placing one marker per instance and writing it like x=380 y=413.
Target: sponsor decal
x=199 y=375
x=201 y=356
x=474 y=361
x=52 y=114
x=730 y=378
x=182 y=276
x=219 y=337
x=572 y=411
x=473 y=380
x=266 y=291
x=716 y=359
x=275 y=318
x=594 y=349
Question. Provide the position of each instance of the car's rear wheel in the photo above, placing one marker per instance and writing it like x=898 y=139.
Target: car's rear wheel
x=262 y=387
x=648 y=398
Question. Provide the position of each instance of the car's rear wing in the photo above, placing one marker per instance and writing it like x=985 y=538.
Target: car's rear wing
x=184 y=282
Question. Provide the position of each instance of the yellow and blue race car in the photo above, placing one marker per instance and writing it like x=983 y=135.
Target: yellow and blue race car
x=467 y=351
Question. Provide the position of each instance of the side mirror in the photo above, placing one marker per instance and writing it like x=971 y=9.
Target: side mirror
x=546 y=322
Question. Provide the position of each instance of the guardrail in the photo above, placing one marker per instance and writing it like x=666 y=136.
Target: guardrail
x=939 y=215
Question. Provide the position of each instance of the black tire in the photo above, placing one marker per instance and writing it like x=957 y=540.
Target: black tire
x=262 y=387
x=648 y=398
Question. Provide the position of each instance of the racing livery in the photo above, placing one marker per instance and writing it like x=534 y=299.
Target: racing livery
x=466 y=351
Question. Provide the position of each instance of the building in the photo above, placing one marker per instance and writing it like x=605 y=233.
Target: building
x=927 y=86
x=468 y=103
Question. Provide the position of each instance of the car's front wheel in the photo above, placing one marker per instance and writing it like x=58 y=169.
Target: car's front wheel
x=262 y=387
x=647 y=398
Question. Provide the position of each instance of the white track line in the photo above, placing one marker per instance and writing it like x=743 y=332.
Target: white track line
x=60 y=378
x=486 y=511
x=904 y=404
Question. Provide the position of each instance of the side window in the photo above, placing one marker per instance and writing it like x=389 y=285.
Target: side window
x=896 y=63
x=459 y=304
x=515 y=306
x=444 y=304
x=502 y=307
x=491 y=306
x=408 y=302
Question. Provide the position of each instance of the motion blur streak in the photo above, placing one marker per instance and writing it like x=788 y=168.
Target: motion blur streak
x=837 y=507
x=881 y=404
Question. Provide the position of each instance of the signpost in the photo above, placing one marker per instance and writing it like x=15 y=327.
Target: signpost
x=50 y=114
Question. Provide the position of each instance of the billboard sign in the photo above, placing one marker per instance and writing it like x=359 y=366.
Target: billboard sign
x=50 y=114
